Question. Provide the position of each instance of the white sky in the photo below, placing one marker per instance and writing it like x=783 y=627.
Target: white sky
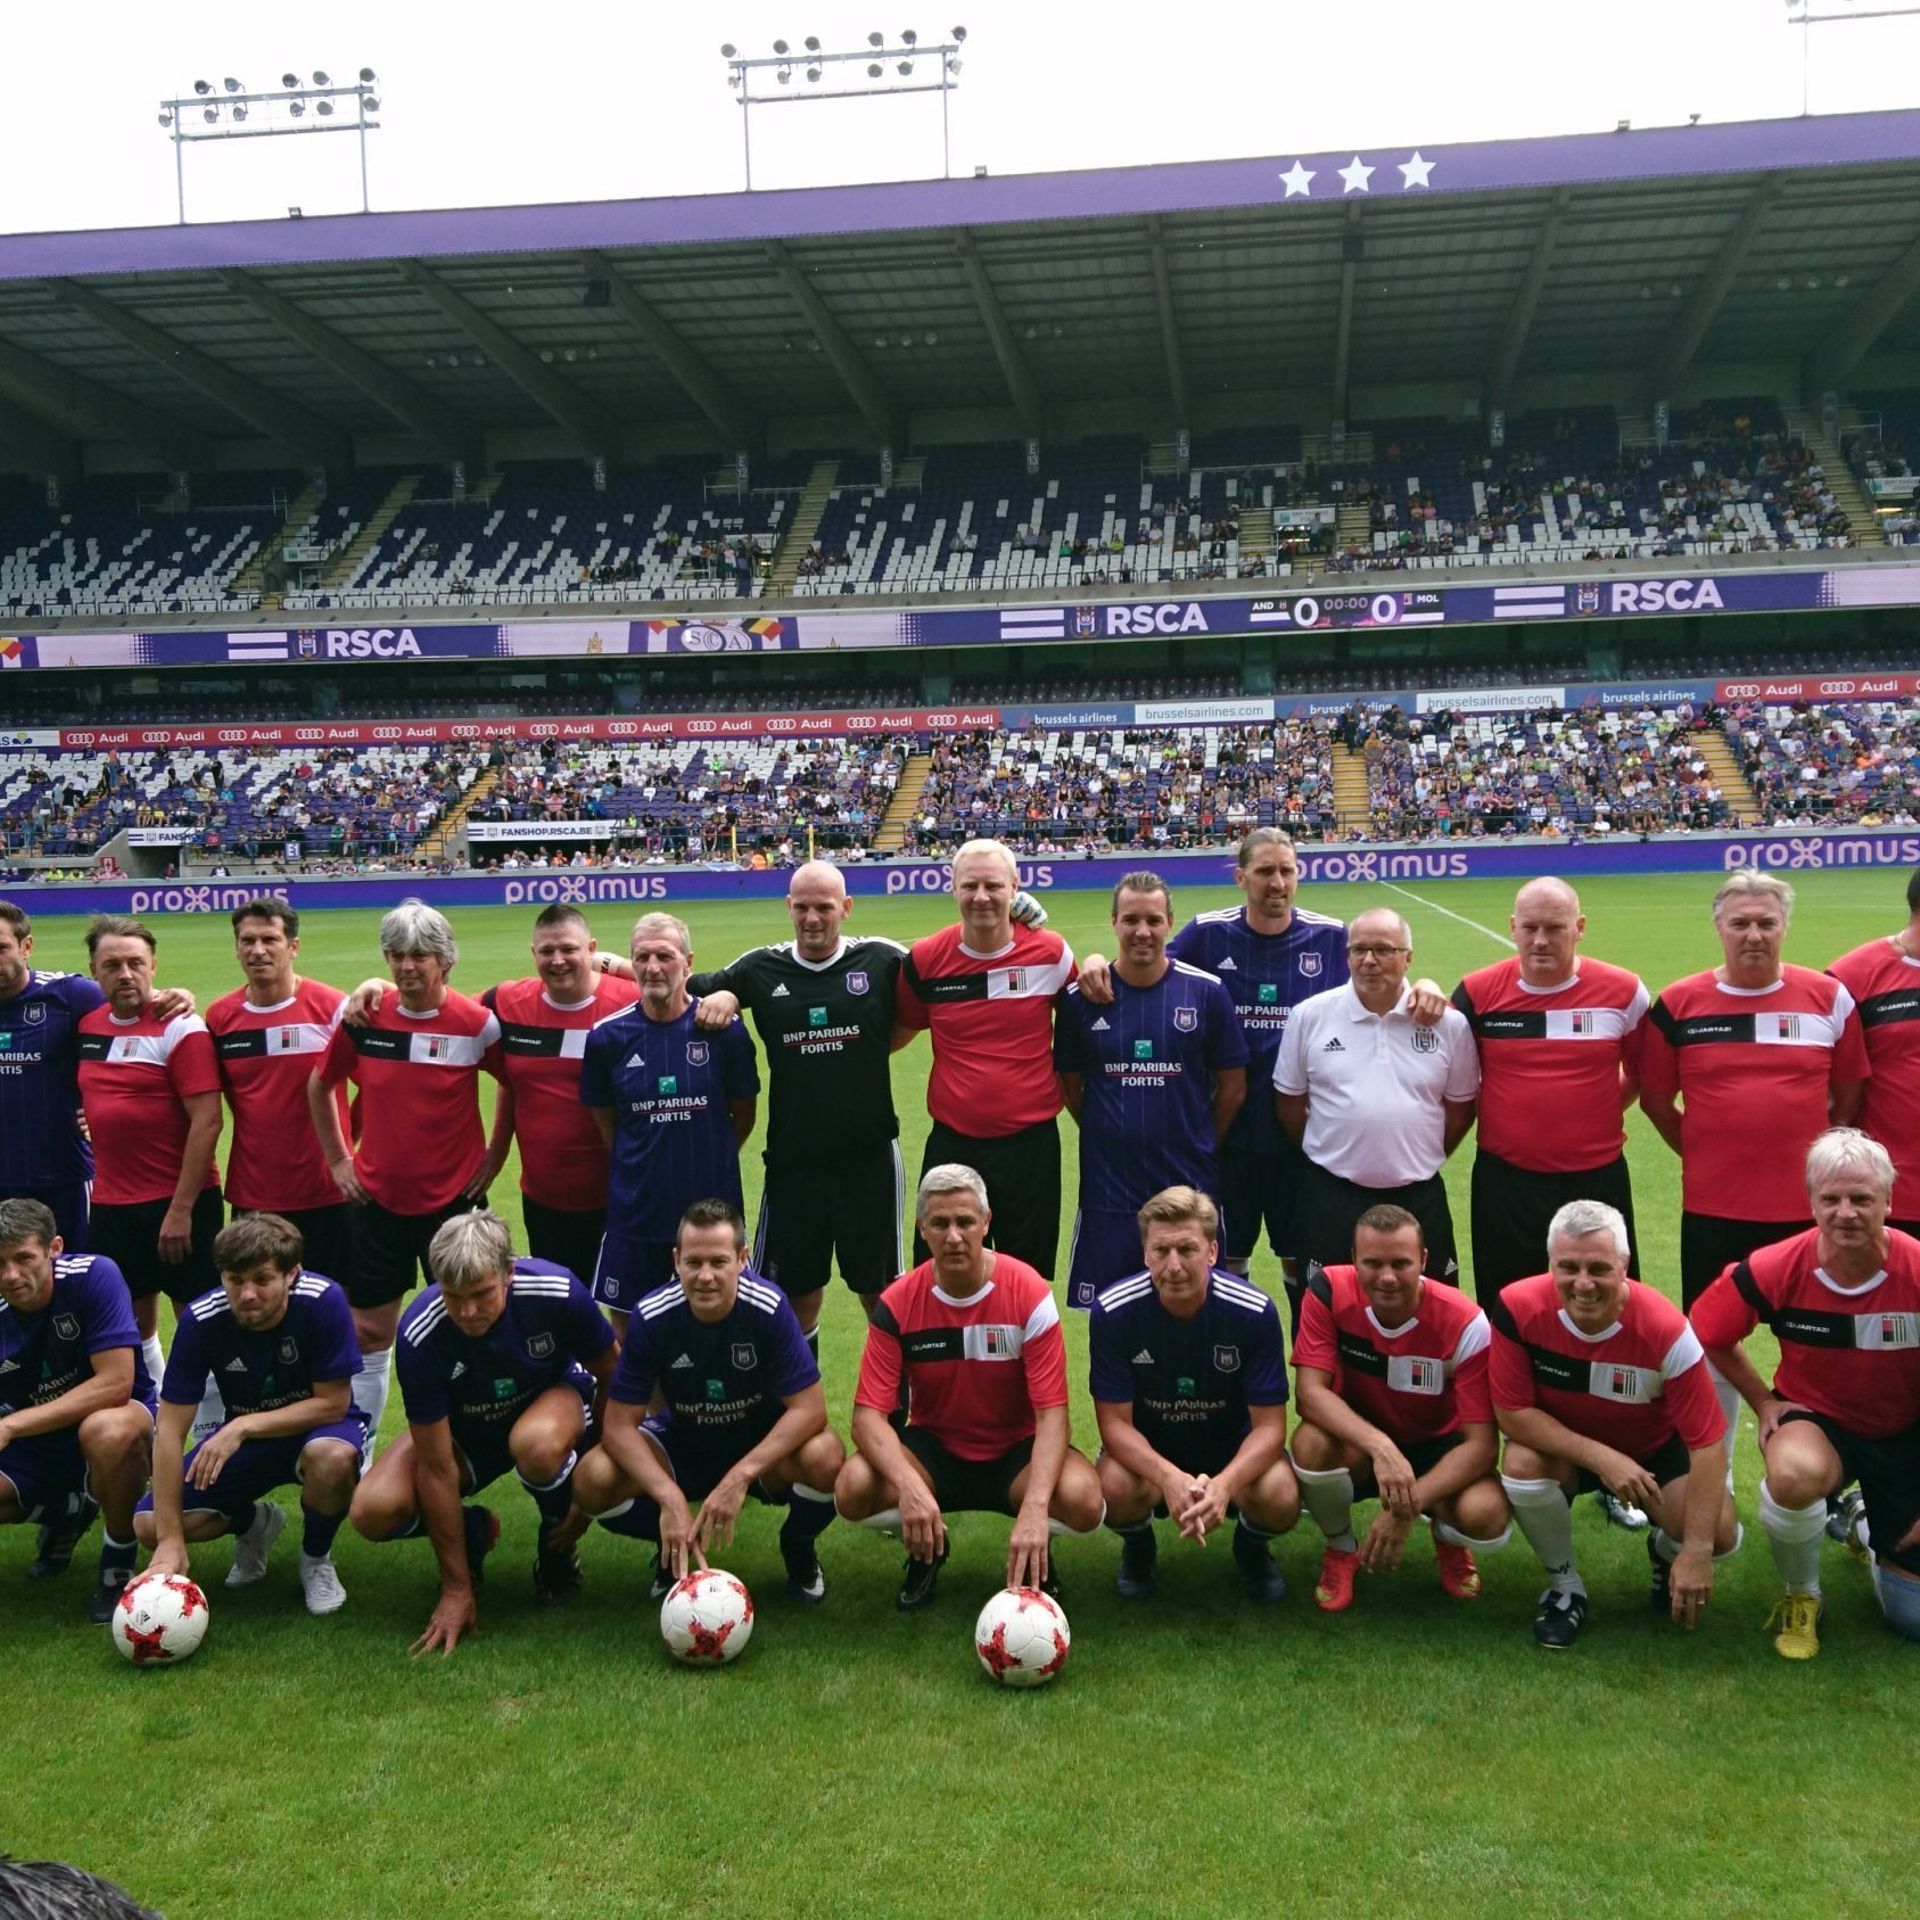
x=500 y=103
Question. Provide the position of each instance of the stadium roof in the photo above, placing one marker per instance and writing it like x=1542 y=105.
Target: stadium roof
x=1661 y=253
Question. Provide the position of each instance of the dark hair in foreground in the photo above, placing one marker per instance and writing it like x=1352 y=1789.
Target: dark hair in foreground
x=270 y=907
x=714 y=1213
x=117 y=926
x=24 y=1220
x=16 y=918
x=49 y=1890
x=257 y=1239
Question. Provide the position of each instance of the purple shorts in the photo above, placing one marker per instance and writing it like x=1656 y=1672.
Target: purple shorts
x=257 y=1467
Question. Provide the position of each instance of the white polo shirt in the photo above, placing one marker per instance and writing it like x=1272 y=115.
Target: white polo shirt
x=1374 y=1085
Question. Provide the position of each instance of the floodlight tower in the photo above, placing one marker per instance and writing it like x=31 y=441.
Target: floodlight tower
x=230 y=112
x=940 y=75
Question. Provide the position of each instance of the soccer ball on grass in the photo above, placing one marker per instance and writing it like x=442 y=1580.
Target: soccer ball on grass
x=1022 y=1637
x=707 y=1618
x=160 y=1620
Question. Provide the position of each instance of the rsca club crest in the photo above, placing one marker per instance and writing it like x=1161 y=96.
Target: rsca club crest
x=35 y=1013
x=857 y=981
x=1186 y=1019
x=1309 y=966
x=745 y=1356
x=1226 y=1359
x=696 y=1053
x=66 y=1326
x=1425 y=1040
x=540 y=1347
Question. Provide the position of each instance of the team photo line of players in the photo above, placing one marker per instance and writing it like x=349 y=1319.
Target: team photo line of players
x=630 y=1087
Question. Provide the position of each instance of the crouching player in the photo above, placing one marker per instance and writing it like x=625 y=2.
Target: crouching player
x=975 y=1338
x=1393 y=1402
x=76 y=1404
x=1598 y=1381
x=499 y=1364
x=1843 y=1300
x=279 y=1344
x=743 y=1413
x=1189 y=1379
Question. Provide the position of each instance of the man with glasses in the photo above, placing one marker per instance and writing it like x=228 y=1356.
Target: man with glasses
x=1376 y=1101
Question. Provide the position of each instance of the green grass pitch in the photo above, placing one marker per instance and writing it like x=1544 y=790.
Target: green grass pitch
x=1413 y=1755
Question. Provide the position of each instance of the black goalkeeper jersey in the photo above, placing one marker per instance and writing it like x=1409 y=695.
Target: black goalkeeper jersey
x=827 y=1032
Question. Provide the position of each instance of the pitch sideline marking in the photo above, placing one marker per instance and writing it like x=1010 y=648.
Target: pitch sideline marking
x=1408 y=893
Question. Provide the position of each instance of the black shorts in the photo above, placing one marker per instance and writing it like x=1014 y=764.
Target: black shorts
x=1262 y=1186
x=850 y=1210
x=1710 y=1244
x=1022 y=1172
x=326 y=1237
x=1333 y=1205
x=1888 y=1470
x=390 y=1251
x=1512 y=1208
x=567 y=1237
x=969 y=1486
x=1668 y=1462
x=1422 y=1456
x=129 y=1236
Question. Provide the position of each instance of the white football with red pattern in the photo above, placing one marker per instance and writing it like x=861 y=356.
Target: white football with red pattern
x=707 y=1618
x=1022 y=1637
x=160 y=1620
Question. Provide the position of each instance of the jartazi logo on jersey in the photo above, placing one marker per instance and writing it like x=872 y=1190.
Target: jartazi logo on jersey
x=1640 y=1385
x=1413 y=1373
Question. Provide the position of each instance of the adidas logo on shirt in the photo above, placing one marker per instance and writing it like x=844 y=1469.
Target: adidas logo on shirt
x=235 y=1365
x=636 y=1061
x=685 y=1360
x=1143 y=1358
x=1227 y=966
x=779 y=993
x=9 y=1366
x=459 y=1367
x=1333 y=1046
x=1100 y=1026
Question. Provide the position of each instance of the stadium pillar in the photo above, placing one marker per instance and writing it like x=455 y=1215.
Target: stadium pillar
x=1169 y=323
x=1006 y=349
x=1353 y=249
x=855 y=375
x=51 y=456
x=1868 y=318
x=78 y=409
x=1519 y=322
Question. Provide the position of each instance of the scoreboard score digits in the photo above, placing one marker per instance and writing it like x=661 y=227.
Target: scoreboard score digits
x=1308 y=611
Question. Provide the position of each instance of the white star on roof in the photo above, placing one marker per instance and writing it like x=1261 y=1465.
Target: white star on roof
x=1413 y=173
x=1356 y=175
x=1298 y=179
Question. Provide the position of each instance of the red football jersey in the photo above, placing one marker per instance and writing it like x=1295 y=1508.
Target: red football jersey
x=1852 y=1353
x=421 y=1139
x=134 y=1078
x=563 y=1160
x=991 y=1019
x=1414 y=1382
x=267 y=1055
x=1630 y=1388
x=977 y=1370
x=1550 y=1062
x=1753 y=1070
x=1885 y=986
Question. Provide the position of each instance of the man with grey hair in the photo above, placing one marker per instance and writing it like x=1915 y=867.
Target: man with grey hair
x=1597 y=1380
x=1376 y=1100
x=1842 y=1299
x=674 y=1103
x=422 y=1155
x=975 y=1338
x=1743 y=1066
x=985 y=990
x=500 y=1363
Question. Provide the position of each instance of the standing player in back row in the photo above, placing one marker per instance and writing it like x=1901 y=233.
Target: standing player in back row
x=270 y=1035
x=544 y=1024
x=1154 y=1077
x=823 y=1004
x=984 y=990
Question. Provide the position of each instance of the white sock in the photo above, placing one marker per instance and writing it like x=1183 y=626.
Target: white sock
x=156 y=1361
x=1794 y=1534
x=1058 y=1529
x=1541 y=1510
x=887 y=1520
x=1328 y=1496
x=370 y=1387
x=1729 y=1397
x=1455 y=1538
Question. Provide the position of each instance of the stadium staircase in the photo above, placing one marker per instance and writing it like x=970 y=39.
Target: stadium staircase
x=252 y=578
x=1353 y=525
x=435 y=842
x=805 y=524
x=1862 y=522
x=892 y=835
x=1351 y=809
x=342 y=567
x=1717 y=751
x=1256 y=534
